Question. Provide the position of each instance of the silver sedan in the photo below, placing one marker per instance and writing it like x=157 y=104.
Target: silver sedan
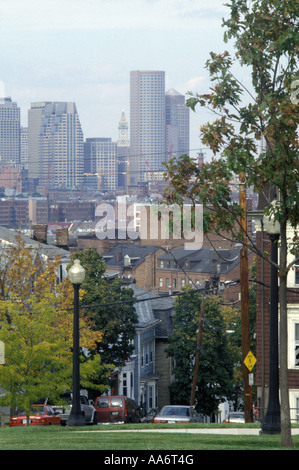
x=177 y=414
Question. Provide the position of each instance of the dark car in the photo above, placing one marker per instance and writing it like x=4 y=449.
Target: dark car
x=117 y=409
x=177 y=414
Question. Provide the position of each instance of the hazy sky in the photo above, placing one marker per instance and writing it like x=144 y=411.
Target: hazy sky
x=84 y=50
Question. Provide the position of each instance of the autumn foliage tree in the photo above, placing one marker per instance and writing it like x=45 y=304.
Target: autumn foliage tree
x=36 y=327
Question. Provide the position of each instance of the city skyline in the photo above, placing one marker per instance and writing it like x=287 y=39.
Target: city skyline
x=83 y=52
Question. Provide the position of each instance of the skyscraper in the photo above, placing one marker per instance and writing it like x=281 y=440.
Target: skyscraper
x=177 y=124
x=35 y=117
x=101 y=161
x=147 y=125
x=10 y=131
x=55 y=145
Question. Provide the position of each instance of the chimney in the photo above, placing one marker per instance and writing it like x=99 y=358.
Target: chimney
x=62 y=238
x=40 y=233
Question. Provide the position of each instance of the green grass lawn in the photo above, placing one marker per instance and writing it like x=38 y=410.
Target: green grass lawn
x=89 y=438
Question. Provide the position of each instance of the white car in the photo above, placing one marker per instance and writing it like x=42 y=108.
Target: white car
x=177 y=414
x=235 y=417
x=88 y=410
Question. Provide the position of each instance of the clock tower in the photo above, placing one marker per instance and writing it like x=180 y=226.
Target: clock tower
x=123 y=131
x=123 y=152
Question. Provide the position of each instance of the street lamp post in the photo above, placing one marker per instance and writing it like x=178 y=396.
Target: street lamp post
x=271 y=422
x=76 y=275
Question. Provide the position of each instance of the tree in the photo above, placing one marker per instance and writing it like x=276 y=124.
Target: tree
x=215 y=373
x=110 y=307
x=36 y=328
x=266 y=43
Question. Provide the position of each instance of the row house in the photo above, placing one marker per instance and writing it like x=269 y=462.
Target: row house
x=138 y=378
x=133 y=261
x=199 y=268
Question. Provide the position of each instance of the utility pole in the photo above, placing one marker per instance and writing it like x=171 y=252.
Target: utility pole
x=244 y=281
x=197 y=354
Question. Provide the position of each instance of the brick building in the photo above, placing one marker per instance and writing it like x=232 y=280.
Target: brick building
x=180 y=267
x=132 y=261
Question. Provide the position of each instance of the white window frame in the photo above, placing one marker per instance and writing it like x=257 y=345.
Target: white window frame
x=293 y=320
x=294 y=405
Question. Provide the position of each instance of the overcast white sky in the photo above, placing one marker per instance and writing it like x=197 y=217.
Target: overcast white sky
x=84 y=50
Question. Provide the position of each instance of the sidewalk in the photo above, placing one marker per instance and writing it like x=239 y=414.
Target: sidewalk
x=226 y=431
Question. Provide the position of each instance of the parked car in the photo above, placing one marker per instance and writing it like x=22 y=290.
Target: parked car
x=117 y=409
x=88 y=410
x=41 y=415
x=235 y=417
x=177 y=414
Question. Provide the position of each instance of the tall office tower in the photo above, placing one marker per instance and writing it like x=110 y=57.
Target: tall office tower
x=101 y=160
x=177 y=124
x=35 y=118
x=55 y=145
x=24 y=147
x=147 y=125
x=123 y=152
x=10 y=129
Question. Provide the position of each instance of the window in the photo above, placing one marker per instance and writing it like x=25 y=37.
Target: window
x=151 y=353
x=142 y=355
x=160 y=281
x=132 y=384
x=150 y=397
x=116 y=402
x=124 y=380
x=102 y=402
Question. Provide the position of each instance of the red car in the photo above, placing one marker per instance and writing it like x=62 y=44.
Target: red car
x=42 y=415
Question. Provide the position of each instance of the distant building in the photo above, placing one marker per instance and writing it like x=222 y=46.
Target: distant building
x=147 y=125
x=123 y=153
x=24 y=147
x=100 y=155
x=203 y=268
x=10 y=179
x=38 y=209
x=55 y=145
x=133 y=261
x=177 y=124
x=10 y=144
x=14 y=213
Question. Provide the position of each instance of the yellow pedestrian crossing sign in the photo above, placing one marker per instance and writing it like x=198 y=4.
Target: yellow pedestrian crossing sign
x=250 y=361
